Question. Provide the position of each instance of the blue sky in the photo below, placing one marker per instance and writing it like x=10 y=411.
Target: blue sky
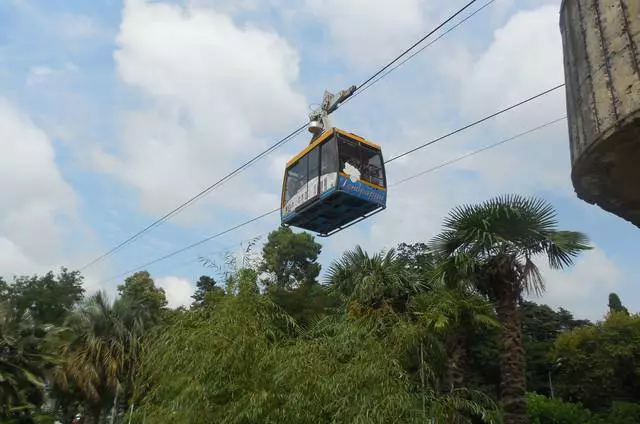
x=112 y=113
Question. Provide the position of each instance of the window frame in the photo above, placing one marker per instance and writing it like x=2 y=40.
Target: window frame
x=335 y=167
x=362 y=147
x=309 y=176
x=378 y=153
x=286 y=198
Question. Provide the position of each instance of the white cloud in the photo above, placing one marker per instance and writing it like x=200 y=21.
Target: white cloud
x=370 y=31
x=532 y=163
x=507 y=73
x=178 y=290
x=210 y=92
x=503 y=74
x=231 y=6
x=584 y=288
x=455 y=62
x=67 y=26
x=12 y=260
x=525 y=58
x=501 y=8
x=37 y=72
x=34 y=195
x=40 y=74
x=78 y=26
x=214 y=92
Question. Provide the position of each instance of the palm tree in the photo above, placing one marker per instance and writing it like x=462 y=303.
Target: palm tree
x=24 y=364
x=376 y=281
x=498 y=239
x=392 y=288
x=101 y=349
x=453 y=314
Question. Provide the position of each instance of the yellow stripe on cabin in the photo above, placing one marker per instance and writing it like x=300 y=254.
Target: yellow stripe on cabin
x=358 y=138
x=284 y=188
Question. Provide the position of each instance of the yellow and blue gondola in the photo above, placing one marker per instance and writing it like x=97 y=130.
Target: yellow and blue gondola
x=335 y=182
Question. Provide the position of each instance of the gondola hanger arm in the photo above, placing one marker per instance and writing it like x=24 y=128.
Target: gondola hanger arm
x=319 y=119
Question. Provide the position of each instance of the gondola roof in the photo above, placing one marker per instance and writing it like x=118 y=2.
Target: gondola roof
x=326 y=135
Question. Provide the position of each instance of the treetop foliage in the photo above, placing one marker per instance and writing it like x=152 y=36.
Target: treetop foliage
x=434 y=331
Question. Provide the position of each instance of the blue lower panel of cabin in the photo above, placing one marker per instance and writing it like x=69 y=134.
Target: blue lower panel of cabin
x=337 y=207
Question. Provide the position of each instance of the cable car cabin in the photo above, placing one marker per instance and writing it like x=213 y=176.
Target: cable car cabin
x=337 y=181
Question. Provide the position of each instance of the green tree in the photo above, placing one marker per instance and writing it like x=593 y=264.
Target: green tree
x=140 y=291
x=451 y=309
x=483 y=353
x=541 y=325
x=101 y=346
x=5 y=291
x=615 y=304
x=376 y=281
x=47 y=298
x=306 y=303
x=205 y=287
x=568 y=322
x=454 y=314
x=624 y=413
x=544 y=410
x=24 y=364
x=356 y=374
x=598 y=364
x=290 y=258
x=241 y=367
x=207 y=366
x=417 y=258
x=500 y=238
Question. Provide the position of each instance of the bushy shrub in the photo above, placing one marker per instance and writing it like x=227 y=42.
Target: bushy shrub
x=624 y=413
x=542 y=410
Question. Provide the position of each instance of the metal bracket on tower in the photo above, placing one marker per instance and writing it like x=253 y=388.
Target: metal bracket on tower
x=319 y=119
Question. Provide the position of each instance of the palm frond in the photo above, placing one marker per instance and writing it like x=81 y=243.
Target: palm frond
x=505 y=233
x=499 y=225
x=563 y=246
x=24 y=364
x=530 y=277
x=372 y=279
